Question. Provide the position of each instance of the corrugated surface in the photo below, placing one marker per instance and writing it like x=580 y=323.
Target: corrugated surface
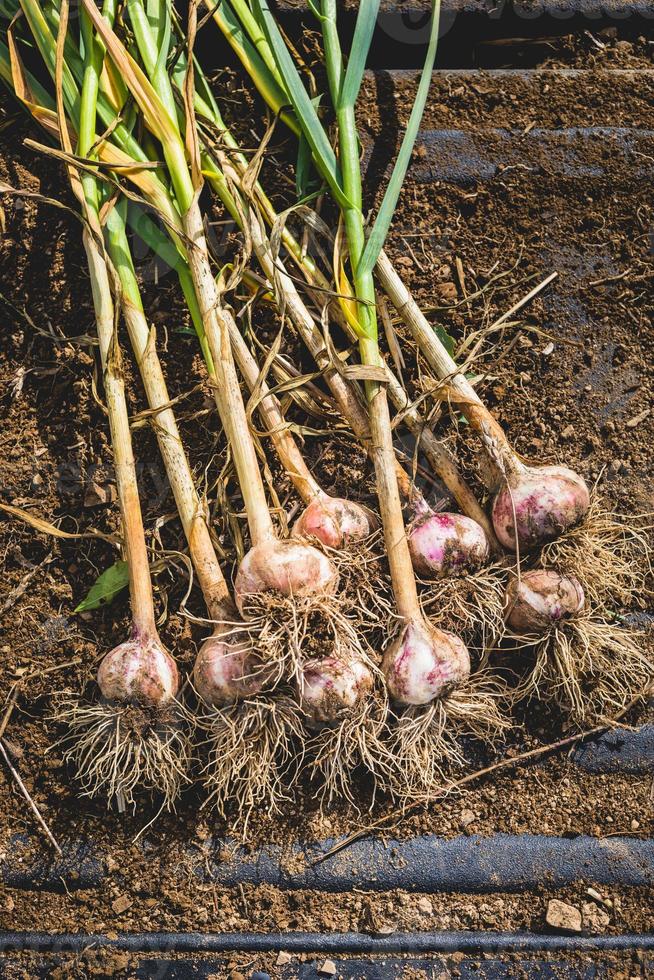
x=499 y=863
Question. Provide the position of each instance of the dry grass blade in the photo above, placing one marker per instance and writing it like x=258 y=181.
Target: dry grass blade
x=45 y=527
x=154 y=112
x=480 y=336
x=30 y=802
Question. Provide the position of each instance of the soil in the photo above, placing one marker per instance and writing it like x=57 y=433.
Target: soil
x=569 y=380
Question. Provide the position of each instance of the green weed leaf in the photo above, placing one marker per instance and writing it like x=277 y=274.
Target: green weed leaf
x=106 y=587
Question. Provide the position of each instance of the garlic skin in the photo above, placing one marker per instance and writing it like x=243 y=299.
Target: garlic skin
x=291 y=568
x=541 y=600
x=334 y=521
x=330 y=689
x=445 y=545
x=541 y=503
x=227 y=670
x=139 y=670
x=424 y=663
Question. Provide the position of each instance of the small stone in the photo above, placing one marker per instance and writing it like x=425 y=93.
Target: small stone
x=8 y=903
x=37 y=480
x=328 y=969
x=283 y=958
x=548 y=350
x=568 y=432
x=425 y=906
x=592 y=893
x=562 y=916
x=635 y=824
x=467 y=817
x=121 y=904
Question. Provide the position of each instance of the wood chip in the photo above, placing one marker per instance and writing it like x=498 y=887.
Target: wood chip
x=365 y=372
x=637 y=419
x=283 y=958
x=121 y=904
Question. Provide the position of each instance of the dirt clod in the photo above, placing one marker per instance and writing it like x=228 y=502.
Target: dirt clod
x=595 y=919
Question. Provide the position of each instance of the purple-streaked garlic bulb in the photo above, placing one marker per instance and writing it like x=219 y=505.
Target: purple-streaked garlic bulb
x=330 y=689
x=541 y=600
x=424 y=663
x=139 y=670
x=290 y=568
x=540 y=503
x=334 y=521
x=227 y=670
x=444 y=545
